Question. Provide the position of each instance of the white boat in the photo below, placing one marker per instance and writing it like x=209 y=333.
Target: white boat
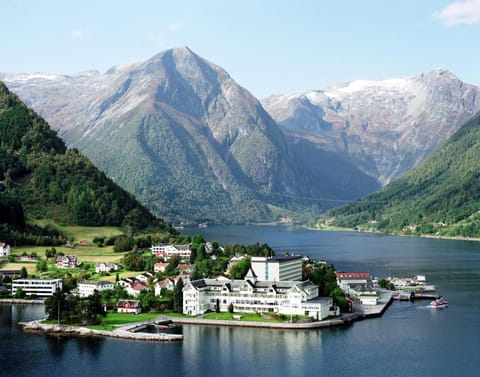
x=401 y=296
x=439 y=303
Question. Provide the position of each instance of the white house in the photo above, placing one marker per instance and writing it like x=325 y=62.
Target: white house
x=287 y=268
x=366 y=294
x=38 y=287
x=345 y=279
x=255 y=296
x=67 y=261
x=86 y=288
x=144 y=277
x=167 y=250
x=4 y=249
x=160 y=266
x=132 y=286
x=169 y=283
x=106 y=267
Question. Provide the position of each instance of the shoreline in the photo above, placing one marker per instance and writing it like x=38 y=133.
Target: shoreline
x=132 y=331
x=123 y=332
x=429 y=236
x=21 y=301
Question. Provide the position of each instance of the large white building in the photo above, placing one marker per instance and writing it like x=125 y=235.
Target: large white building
x=167 y=250
x=86 y=288
x=287 y=268
x=255 y=296
x=38 y=287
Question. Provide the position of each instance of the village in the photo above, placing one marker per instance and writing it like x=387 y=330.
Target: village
x=272 y=287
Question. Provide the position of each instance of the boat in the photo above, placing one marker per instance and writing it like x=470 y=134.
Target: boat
x=439 y=302
x=402 y=296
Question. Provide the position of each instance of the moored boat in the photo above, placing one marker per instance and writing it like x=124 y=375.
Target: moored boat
x=402 y=296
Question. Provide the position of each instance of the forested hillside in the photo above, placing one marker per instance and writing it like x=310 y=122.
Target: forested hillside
x=439 y=197
x=41 y=179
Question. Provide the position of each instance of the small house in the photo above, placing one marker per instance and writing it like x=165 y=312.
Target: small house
x=67 y=261
x=129 y=306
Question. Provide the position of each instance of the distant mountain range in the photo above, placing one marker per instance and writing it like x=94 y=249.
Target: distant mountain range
x=385 y=127
x=193 y=145
x=441 y=196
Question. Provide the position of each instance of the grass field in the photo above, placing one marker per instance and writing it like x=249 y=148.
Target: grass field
x=79 y=233
x=86 y=251
x=113 y=320
x=243 y=317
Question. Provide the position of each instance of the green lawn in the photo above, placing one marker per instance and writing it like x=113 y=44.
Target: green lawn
x=79 y=233
x=243 y=317
x=113 y=320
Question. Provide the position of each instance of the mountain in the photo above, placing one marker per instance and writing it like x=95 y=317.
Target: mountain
x=41 y=179
x=384 y=128
x=189 y=142
x=441 y=196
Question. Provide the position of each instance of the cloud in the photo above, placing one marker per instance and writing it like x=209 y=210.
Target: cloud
x=78 y=33
x=460 y=12
x=175 y=27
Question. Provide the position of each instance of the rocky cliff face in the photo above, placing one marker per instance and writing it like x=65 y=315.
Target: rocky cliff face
x=186 y=139
x=383 y=127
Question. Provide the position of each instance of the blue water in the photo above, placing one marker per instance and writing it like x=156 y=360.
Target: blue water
x=409 y=340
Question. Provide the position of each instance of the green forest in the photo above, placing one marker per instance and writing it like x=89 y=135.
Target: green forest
x=441 y=196
x=41 y=179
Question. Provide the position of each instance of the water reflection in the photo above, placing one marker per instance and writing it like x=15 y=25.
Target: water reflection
x=90 y=347
x=56 y=345
x=255 y=349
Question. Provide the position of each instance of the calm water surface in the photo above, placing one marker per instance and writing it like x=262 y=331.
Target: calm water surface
x=409 y=340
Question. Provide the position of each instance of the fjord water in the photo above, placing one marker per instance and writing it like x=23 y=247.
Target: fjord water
x=409 y=340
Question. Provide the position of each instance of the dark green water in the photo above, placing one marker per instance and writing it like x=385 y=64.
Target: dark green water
x=409 y=340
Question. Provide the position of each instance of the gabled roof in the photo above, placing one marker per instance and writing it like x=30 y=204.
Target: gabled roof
x=132 y=303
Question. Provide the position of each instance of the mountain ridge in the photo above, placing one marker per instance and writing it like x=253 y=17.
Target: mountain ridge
x=207 y=148
x=441 y=196
x=384 y=127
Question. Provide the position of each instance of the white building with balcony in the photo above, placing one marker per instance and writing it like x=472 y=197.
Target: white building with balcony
x=254 y=296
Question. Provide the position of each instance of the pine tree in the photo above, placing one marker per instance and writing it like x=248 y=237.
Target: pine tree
x=178 y=296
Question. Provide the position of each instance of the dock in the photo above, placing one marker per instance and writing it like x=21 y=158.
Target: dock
x=369 y=311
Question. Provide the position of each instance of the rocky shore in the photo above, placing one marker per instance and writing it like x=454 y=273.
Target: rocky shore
x=122 y=332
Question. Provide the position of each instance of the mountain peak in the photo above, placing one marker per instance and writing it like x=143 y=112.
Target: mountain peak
x=440 y=72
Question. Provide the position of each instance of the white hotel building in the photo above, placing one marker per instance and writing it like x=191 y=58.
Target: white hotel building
x=254 y=296
x=287 y=268
x=167 y=250
x=39 y=287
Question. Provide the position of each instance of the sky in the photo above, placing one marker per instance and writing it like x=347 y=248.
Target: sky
x=267 y=46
